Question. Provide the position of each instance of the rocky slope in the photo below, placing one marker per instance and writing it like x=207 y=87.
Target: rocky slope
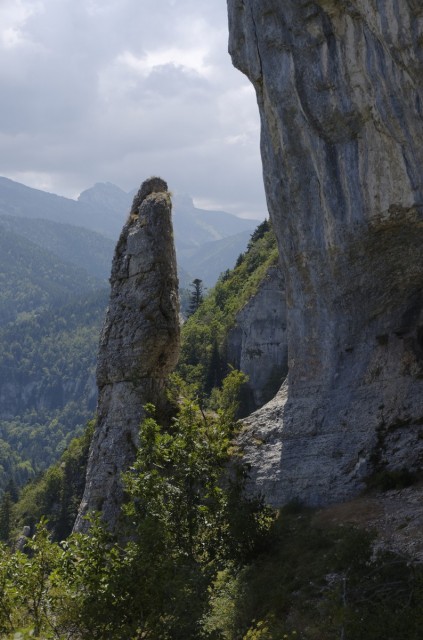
x=139 y=345
x=339 y=88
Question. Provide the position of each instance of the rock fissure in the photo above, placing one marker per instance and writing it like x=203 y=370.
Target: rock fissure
x=256 y=42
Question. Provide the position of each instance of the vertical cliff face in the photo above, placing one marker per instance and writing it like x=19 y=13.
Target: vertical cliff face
x=339 y=88
x=257 y=344
x=139 y=345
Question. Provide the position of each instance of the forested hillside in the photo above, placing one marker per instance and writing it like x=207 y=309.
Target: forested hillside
x=47 y=382
x=75 y=245
x=203 y=358
x=32 y=278
x=51 y=309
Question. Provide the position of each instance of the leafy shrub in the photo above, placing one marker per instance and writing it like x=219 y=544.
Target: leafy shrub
x=183 y=521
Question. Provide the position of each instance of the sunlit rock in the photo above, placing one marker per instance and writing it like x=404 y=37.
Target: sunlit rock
x=139 y=345
x=340 y=92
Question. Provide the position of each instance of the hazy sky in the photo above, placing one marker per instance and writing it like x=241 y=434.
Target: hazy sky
x=118 y=90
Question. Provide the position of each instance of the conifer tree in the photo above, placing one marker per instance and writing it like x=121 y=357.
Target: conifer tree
x=197 y=295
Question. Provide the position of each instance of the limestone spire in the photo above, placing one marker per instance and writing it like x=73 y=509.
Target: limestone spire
x=139 y=345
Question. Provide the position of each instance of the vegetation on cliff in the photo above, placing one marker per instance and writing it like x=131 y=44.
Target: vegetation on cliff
x=203 y=359
x=185 y=519
x=56 y=493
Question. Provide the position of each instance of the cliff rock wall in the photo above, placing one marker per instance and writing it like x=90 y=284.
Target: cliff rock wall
x=340 y=92
x=257 y=344
x=139 y=345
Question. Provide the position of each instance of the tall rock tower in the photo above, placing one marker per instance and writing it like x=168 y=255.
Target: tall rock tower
x=340 y=91
x=139 y=345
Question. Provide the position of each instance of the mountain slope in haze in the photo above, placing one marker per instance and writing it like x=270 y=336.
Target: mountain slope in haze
x=194 y=227
x=105 y=202
x=87 y=249
x=103 y=208
x=32 y=278
x=19 y=200
x=211 y=259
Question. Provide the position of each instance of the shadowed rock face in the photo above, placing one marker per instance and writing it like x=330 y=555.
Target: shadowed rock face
x=256 y=345
x=139 y=345
x=339 y=88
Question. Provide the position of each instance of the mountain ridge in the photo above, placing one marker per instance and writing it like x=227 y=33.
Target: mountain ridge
x=102 y=209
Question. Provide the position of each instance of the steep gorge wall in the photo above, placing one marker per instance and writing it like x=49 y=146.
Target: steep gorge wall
x=339 y=89
x=139 y=346
x=257 y=343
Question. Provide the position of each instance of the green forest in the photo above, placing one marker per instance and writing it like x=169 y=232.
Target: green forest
x=47 y=383
x=51 y=311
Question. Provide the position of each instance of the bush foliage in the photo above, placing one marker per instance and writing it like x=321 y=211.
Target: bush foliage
x=183 y=521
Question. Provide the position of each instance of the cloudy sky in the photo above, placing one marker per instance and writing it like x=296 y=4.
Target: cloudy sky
x=118 y=90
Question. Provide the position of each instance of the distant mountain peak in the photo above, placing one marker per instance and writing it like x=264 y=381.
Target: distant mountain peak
x=101 y=190
x=182 y=201
x=104 y=207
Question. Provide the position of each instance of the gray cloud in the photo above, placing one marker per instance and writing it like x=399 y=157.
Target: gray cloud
x=116 y=90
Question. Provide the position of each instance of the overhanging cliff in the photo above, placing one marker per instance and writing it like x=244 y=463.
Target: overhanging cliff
x=339 y=89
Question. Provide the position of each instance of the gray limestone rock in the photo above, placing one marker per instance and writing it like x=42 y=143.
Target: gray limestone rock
x=139 y=345
x=340 y=91
x=257 y=344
